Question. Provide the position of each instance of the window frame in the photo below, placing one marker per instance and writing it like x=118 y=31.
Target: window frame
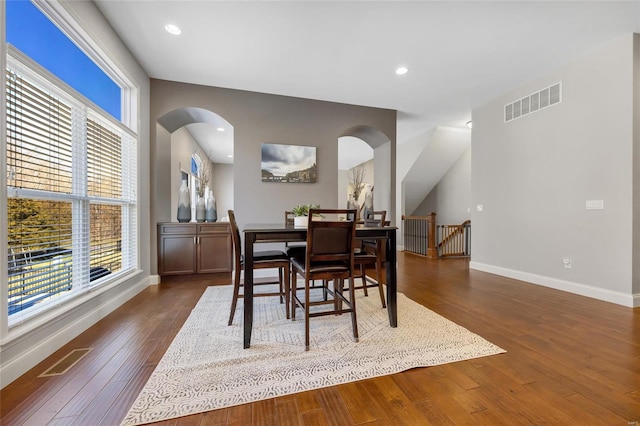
x=130 y=119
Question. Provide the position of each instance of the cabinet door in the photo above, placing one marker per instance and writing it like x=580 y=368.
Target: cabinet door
x=214 y=248
x=176 y=249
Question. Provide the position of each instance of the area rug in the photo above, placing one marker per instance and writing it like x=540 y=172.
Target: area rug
x=206 y=368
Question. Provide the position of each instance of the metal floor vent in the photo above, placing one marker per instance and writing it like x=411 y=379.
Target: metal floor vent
x=66 y=363
x=534 y=102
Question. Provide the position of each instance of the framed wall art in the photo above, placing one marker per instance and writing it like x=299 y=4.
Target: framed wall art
x=288 y=163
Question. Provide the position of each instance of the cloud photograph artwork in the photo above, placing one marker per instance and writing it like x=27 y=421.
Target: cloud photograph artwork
x=288 y=163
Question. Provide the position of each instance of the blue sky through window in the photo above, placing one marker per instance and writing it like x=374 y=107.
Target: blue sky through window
x=32 y=33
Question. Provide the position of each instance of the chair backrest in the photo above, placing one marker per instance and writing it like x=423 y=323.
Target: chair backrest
x=235 y=238
x=375 y=219
x=331 y=239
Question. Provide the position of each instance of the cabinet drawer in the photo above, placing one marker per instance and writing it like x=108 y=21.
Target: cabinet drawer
x=177 y=228
x=213 y=228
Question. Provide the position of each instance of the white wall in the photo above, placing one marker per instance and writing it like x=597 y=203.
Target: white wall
x=431 y=162
x=534 y=174
x=422 y=163
x=222 y=181
x=25 y=345
x=451 y=198
x=406 y=156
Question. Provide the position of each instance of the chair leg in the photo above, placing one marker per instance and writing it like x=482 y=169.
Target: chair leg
x=379 y=278
x=287 y=290
x=280 y=284
x=234 y=300
x=294 y=286
x=352 y=303
x=337 y=300
x=363 y=274
x=306 y=314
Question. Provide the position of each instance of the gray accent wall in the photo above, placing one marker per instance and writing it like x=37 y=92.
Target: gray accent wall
x=258 y=118
x=533 y=175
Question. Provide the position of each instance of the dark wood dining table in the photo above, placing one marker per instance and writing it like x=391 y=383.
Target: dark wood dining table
x=280 y=232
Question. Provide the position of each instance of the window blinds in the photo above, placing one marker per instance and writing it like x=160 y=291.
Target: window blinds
x=72 y=200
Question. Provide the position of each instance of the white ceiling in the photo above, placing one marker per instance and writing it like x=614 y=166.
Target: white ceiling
x=459 y=54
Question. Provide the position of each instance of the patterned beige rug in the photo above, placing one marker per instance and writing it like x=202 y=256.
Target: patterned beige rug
x=205 y=368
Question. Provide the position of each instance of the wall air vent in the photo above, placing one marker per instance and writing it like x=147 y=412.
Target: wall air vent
x=534 y=102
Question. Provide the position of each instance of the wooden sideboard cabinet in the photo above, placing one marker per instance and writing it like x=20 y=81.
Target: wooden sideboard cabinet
x=194 y=248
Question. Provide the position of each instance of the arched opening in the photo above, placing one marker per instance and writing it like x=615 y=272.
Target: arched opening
x=368 y=149
x=355 y=167
x=197 y=146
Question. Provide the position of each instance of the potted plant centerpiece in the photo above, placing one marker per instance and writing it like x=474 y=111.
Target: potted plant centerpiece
x=301 y=213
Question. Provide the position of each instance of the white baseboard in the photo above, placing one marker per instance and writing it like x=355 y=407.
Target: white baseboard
x=629 y=300
x=36 y=345
x=154 y=279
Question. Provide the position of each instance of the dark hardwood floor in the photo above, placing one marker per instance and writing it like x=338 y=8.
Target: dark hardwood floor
x=570 y=360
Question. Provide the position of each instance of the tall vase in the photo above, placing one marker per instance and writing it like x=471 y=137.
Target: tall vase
x=184 y=203
x=368 y=203
x=212 y=214
x=352 y=205
x=200 y=209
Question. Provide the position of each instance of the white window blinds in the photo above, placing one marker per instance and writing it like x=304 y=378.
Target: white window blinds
x=71 y=186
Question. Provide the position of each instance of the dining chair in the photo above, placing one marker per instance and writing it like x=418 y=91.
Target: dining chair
x=267 y=259
x=329 y=257
x=370 y=253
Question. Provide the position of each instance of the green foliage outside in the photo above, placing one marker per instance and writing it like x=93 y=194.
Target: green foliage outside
x=38 y=224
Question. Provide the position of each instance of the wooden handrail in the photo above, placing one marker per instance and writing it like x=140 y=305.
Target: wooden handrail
x=454 y=239
x=459 y=229
x=421 y=236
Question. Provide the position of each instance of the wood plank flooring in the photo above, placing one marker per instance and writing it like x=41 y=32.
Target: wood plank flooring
x=570 y=360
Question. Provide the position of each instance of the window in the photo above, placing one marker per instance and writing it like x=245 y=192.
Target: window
x=71 y=185
x=27 y=27
x=196 y=165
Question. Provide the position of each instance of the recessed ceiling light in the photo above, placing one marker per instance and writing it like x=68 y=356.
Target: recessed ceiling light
x=402 y=70
x=220 y=129
x=230 y=156
x=173 y=29
x=469 y=124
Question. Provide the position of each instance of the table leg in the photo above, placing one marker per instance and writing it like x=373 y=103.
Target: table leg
x=249 y=239
x=392 y=285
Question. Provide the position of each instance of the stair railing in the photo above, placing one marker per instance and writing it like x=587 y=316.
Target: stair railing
x=454 y=240
x=419 y=234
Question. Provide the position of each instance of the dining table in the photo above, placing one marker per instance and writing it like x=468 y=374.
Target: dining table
x=259 y=233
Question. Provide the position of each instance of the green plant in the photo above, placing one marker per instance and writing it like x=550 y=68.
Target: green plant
x=303 y=209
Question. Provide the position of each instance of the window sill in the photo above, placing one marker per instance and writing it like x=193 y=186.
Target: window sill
x=24 y=326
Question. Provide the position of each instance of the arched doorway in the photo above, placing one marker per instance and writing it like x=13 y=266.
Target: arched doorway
x=373 y=149
x=190 y=140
